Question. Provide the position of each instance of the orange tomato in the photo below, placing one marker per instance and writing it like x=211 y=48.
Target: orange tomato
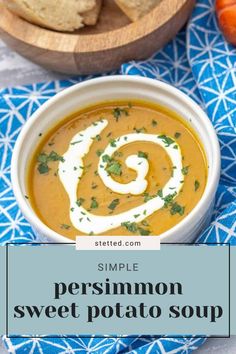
x=226 y=12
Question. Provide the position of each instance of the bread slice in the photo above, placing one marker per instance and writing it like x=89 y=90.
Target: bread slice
x=60 y=15
x=90 y=17
x=135 y=9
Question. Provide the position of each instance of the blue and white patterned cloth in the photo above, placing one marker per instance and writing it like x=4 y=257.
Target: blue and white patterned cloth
x=200 y=63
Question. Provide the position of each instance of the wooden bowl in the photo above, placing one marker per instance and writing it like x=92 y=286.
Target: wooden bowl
x=101 y=48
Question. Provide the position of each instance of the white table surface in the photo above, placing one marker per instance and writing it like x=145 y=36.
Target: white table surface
x=15 y=70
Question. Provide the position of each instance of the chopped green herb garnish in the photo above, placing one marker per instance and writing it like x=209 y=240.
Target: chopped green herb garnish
x=114 y=204
x=145 y=223
x=106 y=158
x=114 y=168
x=168 y=199
x=140 y=130
x=43 y=168
x=143 y=232
x=118 y=154
x=99 y=152
x=147 y=197
x=154 y=123
x=80 y=201
x=98 y=137
x=160 y=193
x=44 y=158
x=130 y=226
x=177 y=209
x=53 y=156
x=167 y=140
x=65 y=226
x=118 y=112
x=196 y=185
x=76 y=142
x=142 y=154
x=94 y=185
x=133 y=227
x=177 y=135
x=113 y=142
x=94 y=203
x=26 y=197
x=185 y=170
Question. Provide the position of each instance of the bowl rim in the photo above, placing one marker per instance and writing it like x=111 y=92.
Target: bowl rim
x=84 y=43
x=201 y=207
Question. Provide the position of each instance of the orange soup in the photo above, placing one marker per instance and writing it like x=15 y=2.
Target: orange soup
x=117 y=168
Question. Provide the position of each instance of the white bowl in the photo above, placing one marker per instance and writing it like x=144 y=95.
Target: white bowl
x=111 y=88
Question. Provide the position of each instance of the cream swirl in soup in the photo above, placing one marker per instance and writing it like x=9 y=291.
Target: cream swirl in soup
x=70 y=176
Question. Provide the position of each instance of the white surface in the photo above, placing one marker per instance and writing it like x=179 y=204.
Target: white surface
x=2 y=348
x=15 y=70
x=218 y=346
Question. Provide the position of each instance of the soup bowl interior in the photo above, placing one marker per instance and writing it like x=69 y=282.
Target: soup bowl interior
x=118 y=88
